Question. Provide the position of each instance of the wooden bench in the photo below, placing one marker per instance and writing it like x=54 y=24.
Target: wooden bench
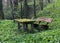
x=45 y=26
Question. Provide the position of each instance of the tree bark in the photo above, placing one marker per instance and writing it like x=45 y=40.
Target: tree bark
x=34 y=9
x=16 y=3
x=41 y=4
x=1 y=10
x=25 y=8
x=48 y=1
x=21 y=9
x=12 y=7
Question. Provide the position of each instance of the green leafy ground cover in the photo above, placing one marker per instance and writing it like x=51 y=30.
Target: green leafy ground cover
x=10 y=34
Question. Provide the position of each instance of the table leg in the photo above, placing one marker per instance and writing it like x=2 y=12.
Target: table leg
x=32 y=27
x=25 y=27
x=18 y=25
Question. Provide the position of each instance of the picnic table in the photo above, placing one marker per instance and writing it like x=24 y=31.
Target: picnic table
x=25 y=23
x=47 y=20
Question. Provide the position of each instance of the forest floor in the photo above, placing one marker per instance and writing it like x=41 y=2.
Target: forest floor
x=10 y=34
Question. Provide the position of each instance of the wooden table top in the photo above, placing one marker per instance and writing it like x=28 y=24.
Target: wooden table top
x=24 y=20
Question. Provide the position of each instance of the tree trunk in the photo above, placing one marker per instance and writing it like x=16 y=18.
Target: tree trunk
x=25 y=8
x=41 y=4
x=12 y=7
x=1 y=10
x=34 y=9
x=48 y=1
x=8 y=3
x=15 y=3
x=21 y=9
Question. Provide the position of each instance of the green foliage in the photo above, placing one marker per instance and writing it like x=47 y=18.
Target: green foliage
x=10 y=34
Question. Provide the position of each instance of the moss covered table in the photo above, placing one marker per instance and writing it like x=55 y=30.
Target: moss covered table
x=25 y=23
